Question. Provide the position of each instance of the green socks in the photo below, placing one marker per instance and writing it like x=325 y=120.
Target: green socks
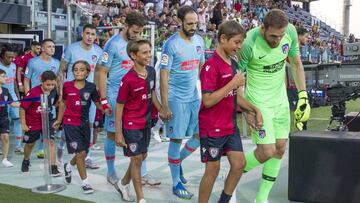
x=270 y=172
x=251 y=161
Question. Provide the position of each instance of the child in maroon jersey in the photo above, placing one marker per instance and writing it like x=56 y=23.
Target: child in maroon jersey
x=133 y=111
x=74 y=115
x=219 y=134
x=30 y=115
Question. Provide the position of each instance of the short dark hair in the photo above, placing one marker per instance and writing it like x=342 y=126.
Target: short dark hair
x=276 y=18
x=230 y=29
x=97 y=16
x=90 y=26
x=135 y=18
x=87 y=65
x=27 y=48
x=2 y=72
x=161 y=14
x=301 y=31
x=6 y=48
x=46 y=40
x=133 y=46
x=35 y=43
x=48 y=75
x=181 y=13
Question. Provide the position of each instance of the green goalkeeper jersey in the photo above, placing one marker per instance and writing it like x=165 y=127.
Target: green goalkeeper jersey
x=265 y=66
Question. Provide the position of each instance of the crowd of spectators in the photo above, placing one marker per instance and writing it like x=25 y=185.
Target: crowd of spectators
x=211 y=13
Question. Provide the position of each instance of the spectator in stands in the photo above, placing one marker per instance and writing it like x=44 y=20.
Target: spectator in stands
x=217 y=14
x=161 y=21
x=151 y=15
x=96 y=20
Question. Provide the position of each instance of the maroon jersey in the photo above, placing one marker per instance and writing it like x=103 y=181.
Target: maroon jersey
x=77 y=102
x=22 y=61
x=33 y=108
x=220 y=119
x=135 y=94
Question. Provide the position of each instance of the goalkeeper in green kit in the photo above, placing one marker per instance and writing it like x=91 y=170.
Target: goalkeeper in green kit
x=263 y=57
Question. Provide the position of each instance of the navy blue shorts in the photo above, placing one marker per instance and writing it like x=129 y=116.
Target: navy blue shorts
x=137 y=141
x=32 y=136
x=77 y=138
x=212 y=148
x=4 y=126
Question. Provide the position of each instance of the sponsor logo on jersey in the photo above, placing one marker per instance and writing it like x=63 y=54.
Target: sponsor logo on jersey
x=190 y=65
x=94 y=58
x=105 y=57
x=285 y=48
x=213 y=151
x=127 y=64
x=274 y=67
x=164 y=60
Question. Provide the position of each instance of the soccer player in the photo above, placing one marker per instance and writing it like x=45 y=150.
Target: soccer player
x=181 y=58
x=113 y=65
x=219 y=134
x=35 y=68
x=90 y=52
x=263 y=55
x=5 y=98
x=7 y=56
x=133 y=111
x=73 y=114
x=30 y=115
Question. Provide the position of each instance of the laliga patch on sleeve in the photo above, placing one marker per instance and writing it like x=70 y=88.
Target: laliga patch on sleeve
x=164 y=60
x=105 y=57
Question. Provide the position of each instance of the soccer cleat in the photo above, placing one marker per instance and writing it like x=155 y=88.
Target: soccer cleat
x=180 y=191
x=25 y=165
x=87 y=189
x=149 y=180
x=182 y=178
x=142 y=201
x=125 y=192
x=90 y=164
x=67 y=175
x=40 y=154
x=7 y=163
x=19 y=151
x=155 y=134
x=54 y=171
x=95 y=147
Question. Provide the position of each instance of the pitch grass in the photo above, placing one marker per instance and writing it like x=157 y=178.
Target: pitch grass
x=15 y=194
x=319 y=118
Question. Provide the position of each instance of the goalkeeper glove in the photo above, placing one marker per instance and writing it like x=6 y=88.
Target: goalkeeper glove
x=302 y=112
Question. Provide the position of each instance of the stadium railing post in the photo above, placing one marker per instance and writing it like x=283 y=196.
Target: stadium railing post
x=48 y=187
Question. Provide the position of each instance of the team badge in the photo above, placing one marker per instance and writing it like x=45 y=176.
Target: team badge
x=96 y=123
x=285 y=48
x=74 y=145
x=198 y=50
x=262 y=133
x=6 y=98
x=94 y=58
x=52 y=68
x=164 y=60
x=171 y=129
x=133 y=147
x=151 y=84
x=214 y=152
x=111 y=124
x=105 y=57
x=86 y=96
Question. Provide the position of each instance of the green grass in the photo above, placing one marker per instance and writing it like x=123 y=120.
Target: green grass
x=15 y=194
x=318 y=115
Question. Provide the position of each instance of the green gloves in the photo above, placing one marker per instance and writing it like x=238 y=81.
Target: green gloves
x=302 y=112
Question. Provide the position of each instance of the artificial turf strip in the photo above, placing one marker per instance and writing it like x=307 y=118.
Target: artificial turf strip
x=10 y=193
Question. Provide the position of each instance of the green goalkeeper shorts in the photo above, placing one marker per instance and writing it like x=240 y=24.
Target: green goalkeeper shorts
x=276 y=122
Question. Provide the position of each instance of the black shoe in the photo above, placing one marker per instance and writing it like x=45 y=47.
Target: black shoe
x=67 y=175
x=25 y=165
x=54 y=171
x=87 y=189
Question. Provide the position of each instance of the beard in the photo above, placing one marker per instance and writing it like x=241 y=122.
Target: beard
x=188 y=33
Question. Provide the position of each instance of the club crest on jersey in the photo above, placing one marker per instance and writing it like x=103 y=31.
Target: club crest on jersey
x=86 y=96
x=151 y=84
x=133 y=147
x=105 y=57
x=74 y=145
x=111 y=124
x=164 y=60
x=262 y=133
x=52 y=68
x=198 y=50
x=6 y=98
x=285 y=48
x=94 y=58
x=214 y=152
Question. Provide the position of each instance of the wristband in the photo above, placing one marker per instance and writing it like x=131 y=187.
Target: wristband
x=104 y=103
